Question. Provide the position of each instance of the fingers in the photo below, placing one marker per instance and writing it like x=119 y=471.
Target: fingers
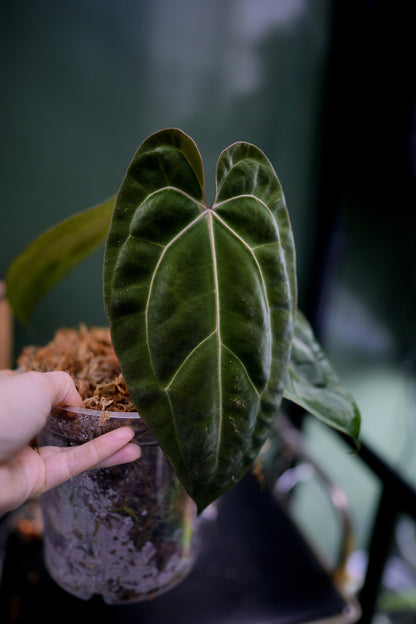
x=42 y=389
x=125 y=455
x=62 y=389
x=26 y=401
x=108 y=450
x=31 y=473
x=130 y=452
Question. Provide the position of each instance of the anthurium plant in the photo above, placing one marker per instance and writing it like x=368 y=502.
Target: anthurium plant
x=202 y=305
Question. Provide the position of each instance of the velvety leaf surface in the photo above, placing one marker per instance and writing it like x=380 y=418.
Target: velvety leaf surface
x=201 y=304
x=55 y=252
x=314 y=385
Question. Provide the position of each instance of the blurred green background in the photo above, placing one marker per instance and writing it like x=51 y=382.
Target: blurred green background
x=84 y=83
x=325 y=89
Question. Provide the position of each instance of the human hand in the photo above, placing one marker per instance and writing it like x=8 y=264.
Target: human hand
x=26 y=400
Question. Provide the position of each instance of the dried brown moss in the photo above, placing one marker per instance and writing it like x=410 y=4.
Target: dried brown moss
x=88 y=356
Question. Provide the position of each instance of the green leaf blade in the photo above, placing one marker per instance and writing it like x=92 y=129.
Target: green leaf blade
x=53 y=254
x=142 y=266
x=205 y=352
x=314 y=385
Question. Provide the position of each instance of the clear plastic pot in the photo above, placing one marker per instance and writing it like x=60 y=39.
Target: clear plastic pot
x=129 y=532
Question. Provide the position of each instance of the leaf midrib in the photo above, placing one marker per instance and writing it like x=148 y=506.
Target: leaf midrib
x=210 y=214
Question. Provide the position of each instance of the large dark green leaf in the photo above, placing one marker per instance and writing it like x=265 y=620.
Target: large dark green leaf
x=314 y=385
x=55 y=252
x=201 y=304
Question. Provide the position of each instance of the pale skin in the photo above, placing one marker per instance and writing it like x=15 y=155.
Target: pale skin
x=25 y=402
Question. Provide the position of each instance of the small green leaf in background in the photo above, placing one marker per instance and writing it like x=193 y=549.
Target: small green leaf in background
x=50 y=256
x=314 y=385
x=201 y=303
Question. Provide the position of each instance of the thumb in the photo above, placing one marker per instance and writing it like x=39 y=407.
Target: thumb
x=62 y=389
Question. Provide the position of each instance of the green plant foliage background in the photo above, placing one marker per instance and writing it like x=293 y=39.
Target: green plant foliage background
x=84 y=82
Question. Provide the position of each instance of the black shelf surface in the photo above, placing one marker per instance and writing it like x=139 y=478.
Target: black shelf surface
x=253 y=568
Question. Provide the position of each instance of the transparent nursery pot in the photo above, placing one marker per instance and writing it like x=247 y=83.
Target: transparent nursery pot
x=129 y=532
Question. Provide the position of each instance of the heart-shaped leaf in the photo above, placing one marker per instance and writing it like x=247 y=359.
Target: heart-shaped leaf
x=55 y=252
x=314 y=385
x=201 y=304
